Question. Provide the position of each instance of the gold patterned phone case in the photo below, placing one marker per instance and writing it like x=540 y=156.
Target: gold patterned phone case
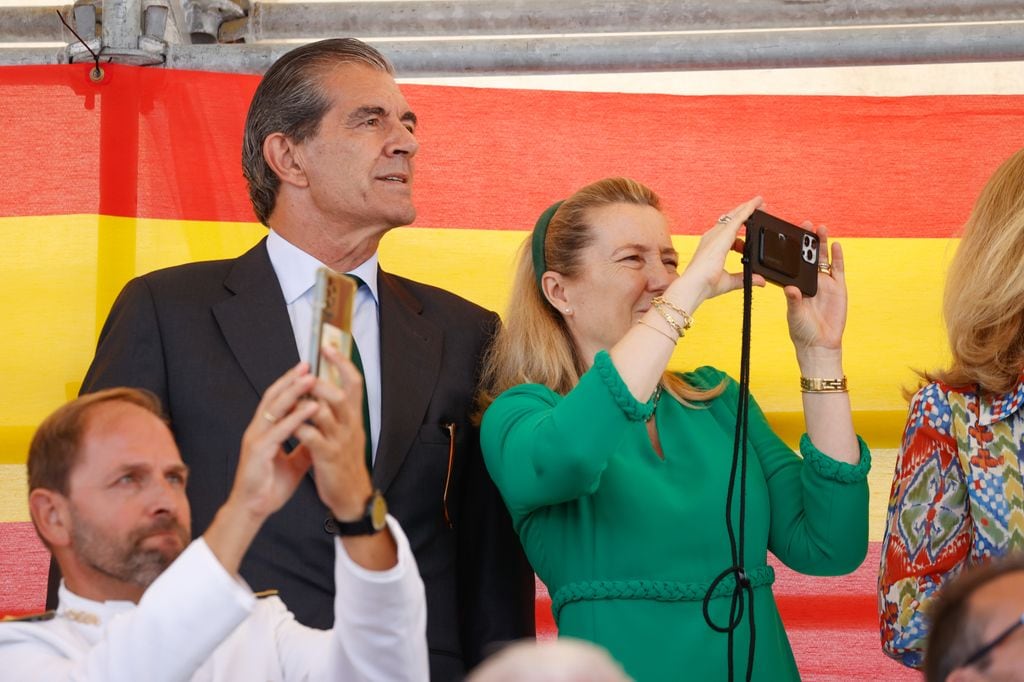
x=333 y=302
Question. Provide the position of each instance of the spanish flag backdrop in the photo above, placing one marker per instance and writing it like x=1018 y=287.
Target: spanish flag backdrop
x=104 y=181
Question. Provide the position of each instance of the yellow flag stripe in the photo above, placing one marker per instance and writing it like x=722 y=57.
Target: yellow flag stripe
x=58 y=286
x=13 y=493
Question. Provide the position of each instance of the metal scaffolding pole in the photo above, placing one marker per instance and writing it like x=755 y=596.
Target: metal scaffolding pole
x=488 y=37
x=269 y=21
x=681 y=52
x=32 y=25
x=405 y=18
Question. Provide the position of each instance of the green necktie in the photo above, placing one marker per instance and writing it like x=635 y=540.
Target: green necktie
x=357 y=360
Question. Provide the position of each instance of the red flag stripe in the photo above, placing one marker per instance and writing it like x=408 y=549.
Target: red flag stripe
x=493 y=159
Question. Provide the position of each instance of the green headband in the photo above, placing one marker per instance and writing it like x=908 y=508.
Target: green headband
x=540 y=233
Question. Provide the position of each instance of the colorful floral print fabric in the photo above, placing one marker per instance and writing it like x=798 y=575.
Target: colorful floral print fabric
x=956 y=500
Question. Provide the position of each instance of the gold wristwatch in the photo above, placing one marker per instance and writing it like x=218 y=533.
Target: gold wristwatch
x=373 y=520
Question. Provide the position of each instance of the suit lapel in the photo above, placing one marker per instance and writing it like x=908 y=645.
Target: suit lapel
x=410 y=352
x=255 y=320
x=258 y=332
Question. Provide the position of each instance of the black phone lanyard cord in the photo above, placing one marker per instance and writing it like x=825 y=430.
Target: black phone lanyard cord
x=742 y=591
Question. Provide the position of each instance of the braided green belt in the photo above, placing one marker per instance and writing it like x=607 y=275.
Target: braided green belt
x=654 y=590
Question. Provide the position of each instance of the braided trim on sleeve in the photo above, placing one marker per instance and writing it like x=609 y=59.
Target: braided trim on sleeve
x=826 y=467
x=630 y=406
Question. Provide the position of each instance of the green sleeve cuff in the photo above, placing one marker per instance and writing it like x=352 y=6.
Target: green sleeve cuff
x=630 y=406
x=826 y=467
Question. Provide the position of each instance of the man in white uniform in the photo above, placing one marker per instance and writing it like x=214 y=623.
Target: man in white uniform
x=139 y=602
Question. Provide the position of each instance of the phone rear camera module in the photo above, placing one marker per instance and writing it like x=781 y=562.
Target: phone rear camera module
x=809 y=249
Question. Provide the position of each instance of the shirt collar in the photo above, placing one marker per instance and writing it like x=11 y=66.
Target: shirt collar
x=296 y=269
x=1004 y=405
x=86 y=611
x=367 y=271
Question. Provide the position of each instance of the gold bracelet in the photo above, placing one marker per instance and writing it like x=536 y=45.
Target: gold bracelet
x=816 y=385
x=663 y=333
x=686 y=317
x=668 y=318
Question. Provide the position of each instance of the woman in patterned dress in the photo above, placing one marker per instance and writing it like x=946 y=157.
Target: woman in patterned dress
x=957 y=497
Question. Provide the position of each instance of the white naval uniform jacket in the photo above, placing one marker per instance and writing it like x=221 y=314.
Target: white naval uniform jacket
x=196 y=622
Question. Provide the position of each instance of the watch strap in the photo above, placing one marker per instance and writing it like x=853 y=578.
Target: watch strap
x=374 y=519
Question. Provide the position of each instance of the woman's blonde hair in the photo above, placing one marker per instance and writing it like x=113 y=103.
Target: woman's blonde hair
x=984 y=298
x=534 y=345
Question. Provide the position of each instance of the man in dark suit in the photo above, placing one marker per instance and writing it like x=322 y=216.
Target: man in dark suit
x=328 y=154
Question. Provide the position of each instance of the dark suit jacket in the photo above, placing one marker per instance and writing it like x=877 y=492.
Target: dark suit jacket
x=209 y=338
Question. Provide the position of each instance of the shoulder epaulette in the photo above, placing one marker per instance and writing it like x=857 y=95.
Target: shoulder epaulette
x=30 y=618
x=264 y=594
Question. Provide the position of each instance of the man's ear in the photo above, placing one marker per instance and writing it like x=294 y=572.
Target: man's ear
x=552 y=286
x=283 y=157
x=52 y=518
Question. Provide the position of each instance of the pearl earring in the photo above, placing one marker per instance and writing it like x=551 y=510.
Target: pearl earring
x=568 y=310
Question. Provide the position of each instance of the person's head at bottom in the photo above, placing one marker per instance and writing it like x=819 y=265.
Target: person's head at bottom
x=107 y=493
x=563 y=660
x=977 y=631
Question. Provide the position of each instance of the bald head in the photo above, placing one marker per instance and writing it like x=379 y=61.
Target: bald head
x=563 y=660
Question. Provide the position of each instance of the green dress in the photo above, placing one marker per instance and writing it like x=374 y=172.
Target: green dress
x=628 y=543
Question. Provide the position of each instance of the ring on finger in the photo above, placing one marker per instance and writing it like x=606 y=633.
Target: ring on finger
x=724 y=218
x=269 y=417
x=825 y=267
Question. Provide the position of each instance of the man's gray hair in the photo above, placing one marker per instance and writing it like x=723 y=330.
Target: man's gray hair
x=290 y=99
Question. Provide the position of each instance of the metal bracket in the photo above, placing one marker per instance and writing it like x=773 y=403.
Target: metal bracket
x=140 y=33
x=204 y=18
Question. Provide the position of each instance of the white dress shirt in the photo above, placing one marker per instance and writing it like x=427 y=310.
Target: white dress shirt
x=296 y=271
x=198 y=623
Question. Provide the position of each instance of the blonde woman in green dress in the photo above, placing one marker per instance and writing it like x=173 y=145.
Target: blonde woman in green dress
x=616 y=472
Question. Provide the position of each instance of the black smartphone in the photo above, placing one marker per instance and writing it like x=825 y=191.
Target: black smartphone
x=782 y=252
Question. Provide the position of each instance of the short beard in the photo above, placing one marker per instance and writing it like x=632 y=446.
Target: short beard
x=124 y=559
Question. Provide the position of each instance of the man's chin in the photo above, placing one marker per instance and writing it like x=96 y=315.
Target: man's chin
x=403 y=218
x=168 y=544
x=151 y=560
x=399 y=210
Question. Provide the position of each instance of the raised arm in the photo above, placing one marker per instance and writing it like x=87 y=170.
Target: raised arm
x=266 y=476
x=816 y=327
x=380 y=604
x=544 y=449
x=198 y=601
x=643 y=353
